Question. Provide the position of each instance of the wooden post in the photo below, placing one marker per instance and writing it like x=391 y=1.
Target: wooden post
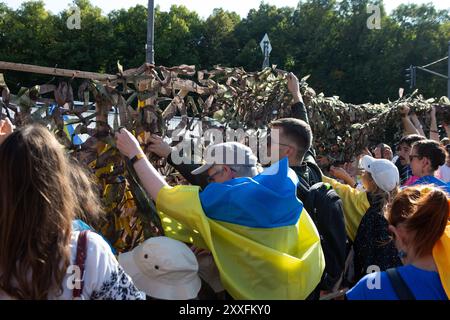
x=56 y=72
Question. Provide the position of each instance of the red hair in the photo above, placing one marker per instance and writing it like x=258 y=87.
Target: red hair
x=424 y=212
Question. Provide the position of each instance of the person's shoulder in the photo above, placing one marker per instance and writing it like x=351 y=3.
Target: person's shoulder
x=411 y=273
x=180 y=193
x=94 y=243
x=374 y=216
x=374 y=286
x=424 y=284
x=96 y=239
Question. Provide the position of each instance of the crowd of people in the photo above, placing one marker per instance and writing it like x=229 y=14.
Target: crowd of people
x=376 y=228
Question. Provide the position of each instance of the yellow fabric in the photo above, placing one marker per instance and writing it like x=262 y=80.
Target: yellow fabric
x=141 y=104
x=355 y=205
x=441 y=255
x=280 y=263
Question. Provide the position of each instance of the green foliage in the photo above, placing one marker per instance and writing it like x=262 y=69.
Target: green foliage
x=328 y=39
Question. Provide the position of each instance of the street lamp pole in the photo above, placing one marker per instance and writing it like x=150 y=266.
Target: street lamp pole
x=448 y=73
x=150 y=52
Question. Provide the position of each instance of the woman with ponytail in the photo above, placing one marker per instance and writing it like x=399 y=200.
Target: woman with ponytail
x=419 y=223
x=425 y=159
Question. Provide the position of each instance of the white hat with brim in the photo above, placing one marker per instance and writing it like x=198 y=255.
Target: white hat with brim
x=180 y=283
x=205 y=167
x=384 y=172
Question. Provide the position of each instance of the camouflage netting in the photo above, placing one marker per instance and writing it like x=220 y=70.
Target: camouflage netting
x=145 y=99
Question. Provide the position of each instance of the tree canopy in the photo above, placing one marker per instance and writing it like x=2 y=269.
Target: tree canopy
x=328 y=39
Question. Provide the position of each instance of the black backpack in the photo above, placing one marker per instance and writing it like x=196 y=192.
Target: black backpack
x=325 y=208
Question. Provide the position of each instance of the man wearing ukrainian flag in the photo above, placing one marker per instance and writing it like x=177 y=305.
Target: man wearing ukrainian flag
x=263 y=242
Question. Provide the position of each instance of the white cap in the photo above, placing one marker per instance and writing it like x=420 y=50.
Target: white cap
x=163 y=268
x=384 y=172
x=229 y=153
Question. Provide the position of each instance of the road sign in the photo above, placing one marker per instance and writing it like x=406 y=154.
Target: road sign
x=265 y=45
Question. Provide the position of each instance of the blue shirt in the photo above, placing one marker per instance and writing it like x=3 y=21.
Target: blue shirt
x=434 y=181
x=425 y=285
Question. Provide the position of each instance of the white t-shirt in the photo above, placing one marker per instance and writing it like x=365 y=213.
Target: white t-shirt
x=443 y=173
x=104 y=278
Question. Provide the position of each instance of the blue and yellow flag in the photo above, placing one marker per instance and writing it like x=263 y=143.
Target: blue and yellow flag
x=69 y=129
x=441 y=255
x=264 y=243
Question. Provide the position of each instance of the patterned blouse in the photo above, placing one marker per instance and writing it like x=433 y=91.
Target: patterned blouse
x=104 y=278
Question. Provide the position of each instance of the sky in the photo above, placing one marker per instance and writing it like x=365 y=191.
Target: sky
x=205 y=8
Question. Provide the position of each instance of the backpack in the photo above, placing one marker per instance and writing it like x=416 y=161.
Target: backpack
x=325 y=208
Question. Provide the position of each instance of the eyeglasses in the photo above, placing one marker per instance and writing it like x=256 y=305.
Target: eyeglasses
x=281 y=144
x=270 y=141
x=412 y=156
x=211 y=178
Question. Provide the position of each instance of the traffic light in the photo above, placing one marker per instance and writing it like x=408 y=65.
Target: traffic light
x=411 y=76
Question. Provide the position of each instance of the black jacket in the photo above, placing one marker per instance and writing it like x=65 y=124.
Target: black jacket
x=308 y=170
x=328 y=217
x=373 y=245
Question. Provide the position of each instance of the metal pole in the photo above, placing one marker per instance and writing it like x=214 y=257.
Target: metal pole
x=448 y=74
x=150 y=52
x=266 y=62
x=432 y=72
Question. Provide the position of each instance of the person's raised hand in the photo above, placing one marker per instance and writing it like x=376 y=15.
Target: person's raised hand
x=294 y=87
x=365 y=152
x=200 y=252
x=127 y=144
x=158 y=146
x=433 y=112
x=404 y=110
x=339 y=173
x=6 y=128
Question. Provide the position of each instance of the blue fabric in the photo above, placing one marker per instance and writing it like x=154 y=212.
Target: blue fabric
x=51 y=108
x=433 y=180
x=268 y=200
x=425 y=285
x=70 y=130
x=79 y=225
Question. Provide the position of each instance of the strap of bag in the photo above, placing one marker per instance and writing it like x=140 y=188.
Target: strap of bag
x=80 y=263
x=400 y=287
